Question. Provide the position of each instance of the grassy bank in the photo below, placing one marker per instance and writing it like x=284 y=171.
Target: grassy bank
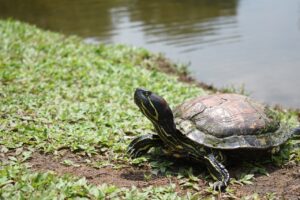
x=57 y=93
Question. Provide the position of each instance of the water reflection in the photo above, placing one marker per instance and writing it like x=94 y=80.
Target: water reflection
x=185 y=24
x=84 y=18
x=251 y=42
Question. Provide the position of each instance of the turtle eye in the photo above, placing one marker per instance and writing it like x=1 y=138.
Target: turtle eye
x=147 y=93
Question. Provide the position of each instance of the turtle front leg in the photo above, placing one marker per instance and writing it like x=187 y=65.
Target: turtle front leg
x=217 y=171
x=142 y=144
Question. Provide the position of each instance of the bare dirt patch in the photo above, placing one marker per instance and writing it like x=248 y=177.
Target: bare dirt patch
x=124 y=177
x=284 y=182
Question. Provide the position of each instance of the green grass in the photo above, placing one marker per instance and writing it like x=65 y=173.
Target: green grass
x=57 y=92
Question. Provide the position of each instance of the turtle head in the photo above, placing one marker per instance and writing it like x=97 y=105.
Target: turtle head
x=154 y=107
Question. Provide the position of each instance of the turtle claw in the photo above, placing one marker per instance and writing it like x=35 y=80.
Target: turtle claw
x=130 y=152
x=219 y=186
x=142 y=144
x=133 y=152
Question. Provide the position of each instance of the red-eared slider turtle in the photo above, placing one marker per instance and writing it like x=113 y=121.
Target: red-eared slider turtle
x=203 y=128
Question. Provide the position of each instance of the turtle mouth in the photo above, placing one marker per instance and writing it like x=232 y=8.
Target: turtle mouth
x=140 y=94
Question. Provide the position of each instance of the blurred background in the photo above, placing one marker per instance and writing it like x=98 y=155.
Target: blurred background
x=255 y=43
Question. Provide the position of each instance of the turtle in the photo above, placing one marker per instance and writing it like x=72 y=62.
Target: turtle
x=204 y=129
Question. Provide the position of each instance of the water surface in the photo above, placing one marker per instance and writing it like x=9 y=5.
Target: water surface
x=232 y=42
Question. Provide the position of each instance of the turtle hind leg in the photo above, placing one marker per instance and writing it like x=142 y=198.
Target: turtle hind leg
x=218 y=172
x=141 y=145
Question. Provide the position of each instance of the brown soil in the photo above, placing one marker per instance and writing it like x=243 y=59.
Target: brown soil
x=284 y=182
x=125 y=177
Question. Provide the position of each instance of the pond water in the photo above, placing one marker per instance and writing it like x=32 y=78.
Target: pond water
x=255 y=43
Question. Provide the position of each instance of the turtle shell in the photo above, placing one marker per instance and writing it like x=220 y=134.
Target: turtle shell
x=230 y=121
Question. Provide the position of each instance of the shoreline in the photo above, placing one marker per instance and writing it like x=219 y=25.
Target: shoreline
x=165 y=65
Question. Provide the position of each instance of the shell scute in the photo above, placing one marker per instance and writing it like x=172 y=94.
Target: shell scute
x=228 y=121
